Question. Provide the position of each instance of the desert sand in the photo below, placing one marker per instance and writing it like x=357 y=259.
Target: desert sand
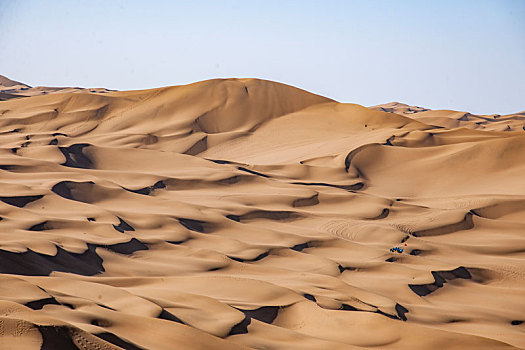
x=248 y=214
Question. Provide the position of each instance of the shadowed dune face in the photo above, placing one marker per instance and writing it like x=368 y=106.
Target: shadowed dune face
x=240 y=213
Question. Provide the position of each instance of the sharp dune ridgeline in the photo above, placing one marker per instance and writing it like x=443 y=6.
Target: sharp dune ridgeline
x=249 y=214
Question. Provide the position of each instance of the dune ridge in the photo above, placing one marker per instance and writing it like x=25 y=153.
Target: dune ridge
x=249 y=214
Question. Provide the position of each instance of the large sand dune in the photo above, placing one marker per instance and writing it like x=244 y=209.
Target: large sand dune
x=248 y=214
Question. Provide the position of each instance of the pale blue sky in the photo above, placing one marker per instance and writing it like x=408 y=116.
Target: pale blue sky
x=464 y=55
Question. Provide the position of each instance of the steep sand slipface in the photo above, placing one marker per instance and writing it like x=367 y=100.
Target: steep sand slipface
x=242 y=213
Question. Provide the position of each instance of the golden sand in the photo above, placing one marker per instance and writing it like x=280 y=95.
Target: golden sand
x=248 y=214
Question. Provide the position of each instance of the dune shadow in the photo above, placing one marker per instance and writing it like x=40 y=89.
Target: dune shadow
x=75 y=157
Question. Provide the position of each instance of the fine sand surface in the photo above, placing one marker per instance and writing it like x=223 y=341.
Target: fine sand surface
x=248 y=214
x=14 y=89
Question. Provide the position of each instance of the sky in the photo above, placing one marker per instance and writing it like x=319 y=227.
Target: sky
x=461 y=55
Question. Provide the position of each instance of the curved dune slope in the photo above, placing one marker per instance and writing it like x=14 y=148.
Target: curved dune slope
x=454 y=119
x=247 y=214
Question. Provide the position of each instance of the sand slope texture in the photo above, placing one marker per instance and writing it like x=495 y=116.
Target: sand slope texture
x=248 y=214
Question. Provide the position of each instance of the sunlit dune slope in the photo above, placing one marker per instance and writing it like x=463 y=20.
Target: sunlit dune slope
x=454 y=119
x=248 y=214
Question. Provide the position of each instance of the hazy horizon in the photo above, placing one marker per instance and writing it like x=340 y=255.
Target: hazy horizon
x=441 y=55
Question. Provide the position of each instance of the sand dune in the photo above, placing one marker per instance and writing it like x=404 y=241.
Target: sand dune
x=13 y=89
x=248 y=214
x=454 y=119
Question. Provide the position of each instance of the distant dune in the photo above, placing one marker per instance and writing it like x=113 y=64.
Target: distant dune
x=14 y=89
x=248 y=214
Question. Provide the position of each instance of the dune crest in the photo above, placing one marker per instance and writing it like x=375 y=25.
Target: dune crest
x=454 y=119
x=249 y=214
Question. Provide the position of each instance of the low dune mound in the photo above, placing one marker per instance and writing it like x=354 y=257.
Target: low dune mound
x=399 y=108
x=13 y=89
x=450 y=119
x=248 y=214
